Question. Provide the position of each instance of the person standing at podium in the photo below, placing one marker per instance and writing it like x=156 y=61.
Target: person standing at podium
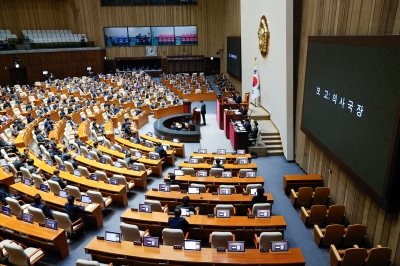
x=203 y=112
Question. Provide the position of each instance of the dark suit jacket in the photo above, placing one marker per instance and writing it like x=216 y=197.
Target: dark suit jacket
x=259 y=199
x=18 y=165
x=73 y=210
x=247 y=127
x=203 y=108
x=46 y=211
x=238 y=99
x=59 y=181
x=161 y=152
x=178 y=223
x=253 y=133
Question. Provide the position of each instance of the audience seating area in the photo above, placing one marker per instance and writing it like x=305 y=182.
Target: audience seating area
x=52 y=36
x=6 y=34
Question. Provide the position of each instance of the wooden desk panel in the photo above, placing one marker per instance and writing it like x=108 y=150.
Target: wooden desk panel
x=170 y=110
x=197 y=97
x=84 y=131
x=206 y=201
x=109 y=131
x=228 y=167
x=179 y=147
x=55 y=202
x=302 y=180
x=128 y=254
x=6 y=179
x=141 y=120
x=40 y=237
x=228 y=156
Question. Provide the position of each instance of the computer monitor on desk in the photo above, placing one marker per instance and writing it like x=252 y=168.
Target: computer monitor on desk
x=226 y=174
x=63 y=194
x=225 y=191
x=86 y=199
x=77 y=172
x=179 y=172
x=236 y=246
x=279 y=246
x=27 y=181
x=240 y=152
x=193 y=160
x=202 y=151
x=28 y=218
x=114 y=181
x=251 y=174
x=193 y=190
x=164 y=187
x=221 y=151
x=192 y=244
x=263 y=214
x=223 y=213
x=243 y=161
x=151 y=242
x=202 y=173
x=51 y=224
x=6 y=210
x=113 y=237
x=44 y=188
x=185 y=211
x=145 y=208
x=94 y=177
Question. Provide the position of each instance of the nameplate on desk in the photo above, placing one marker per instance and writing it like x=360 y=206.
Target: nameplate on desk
x=42 y=225
x=19 y=218
x=56 y=194
x=220 y=249
x=250 y=216
x=214 y=193
x=245 y=193
x=185 y=161
x=100 y=237
x=217 y=176
x=264 y=250
x=177 y=247
x=134 y=209
x=154 y=189
x=210 y=215
x=170 y=213
x=193 y=175
x=137 y=243
x=183 y=191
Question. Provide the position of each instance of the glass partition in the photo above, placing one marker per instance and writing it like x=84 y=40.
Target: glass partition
x=139 y=36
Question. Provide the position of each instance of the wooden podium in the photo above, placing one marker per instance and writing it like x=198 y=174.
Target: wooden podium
x=196 y=116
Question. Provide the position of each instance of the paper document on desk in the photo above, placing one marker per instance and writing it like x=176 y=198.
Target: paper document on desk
x=89 y=207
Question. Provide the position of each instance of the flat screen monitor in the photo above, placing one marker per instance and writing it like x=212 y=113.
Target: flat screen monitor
x=79 y=152
x=202 y=173
x=27 y=181
x=49 y=162
x=165 y=147
x=225 y=191
x=149 y=134
x=148 y=144
x=138 y=154
x=70 y=147
x=6 y=169
x=235 y=246
x=89 y=156
x=243 y=161
x=253 y=191
x=113 y=237
x=114 y=181
x=175 y=140
x=241 y=152
x=226 y=174
x=86 y=199
x=179 y=172
x=135 y=168
x=221 y=151
x=263 y=214
x=112 y=147
x=202 y=151
x=94 y=177
x=164 y=187
x=145 y=208
x=40 y=156
x=6 y=210
x=118 y=164
x=124 y=151
x=223 y=213
x=61 y=167
x=63 y=194
x=193 y=160
x=193 y=190
x=192 y=244
x=88 y=68
x=185 y=211
x=251 y=174
x=151 y=241
x=51 y=224
x=162 y=137
x=28 y=218
x=44 y=188
x=103 y=160
x=45 y=72
x=279 y=246
x=77 y=172
x=153 y=157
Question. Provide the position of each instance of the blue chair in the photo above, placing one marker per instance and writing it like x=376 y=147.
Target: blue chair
x=126 y=40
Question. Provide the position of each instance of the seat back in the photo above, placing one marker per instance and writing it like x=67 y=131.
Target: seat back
x=260 y=206
x=141 y=166
x=231 y=187
x=16 y=209
x=200 y=158
x=37 y=214
x=355 y=235
x=96 y=197
x=188 y=171
x=304 y=195
x=150 y=143
x=16 y=254
x=107 y=143
x=335 y=214
x=118 y=147
x=201 y=187
x=242 y=172
x=321 y=196
x=354 y=256
x=172 y=237
x=123 y=163
x=155 y=205
x=84 y=151
x=54 y=186
x=129 y=232
x=58 y=160
x=266 y=238
x=220 y=239
x=74 y=191
x=379 y=256
x=63 y=221
x=84 y=171
x=69 y=167
x=25 y=173
x=174 y=188
x=226 y=207
x=108 y=159
x=250 y=186
x=102 y=175
x=317 y=214
x=37 y=180
x=216 y=171
x=333 y=234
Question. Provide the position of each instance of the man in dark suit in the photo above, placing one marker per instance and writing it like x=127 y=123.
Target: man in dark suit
x=18 y=164
x=172 y=180
x=56 y=178
x=254 y=132
x=159 y=149
x=238 y=98
x=259 y=198
x=127 y=129
x=72 y=209
x=243 y=110
x=247 y=126
x=64 y=155
x=203 y=112
x=39 y=204
x=185 y=204
x=178 y=222
x=78 y=141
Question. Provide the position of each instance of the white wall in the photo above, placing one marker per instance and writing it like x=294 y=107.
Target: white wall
x=276 y=70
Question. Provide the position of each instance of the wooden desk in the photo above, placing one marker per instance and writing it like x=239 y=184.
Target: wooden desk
x=222 y=104
x=170 y=110
x=206 y=201
x=239 y=139
x=55 y=202
x=179 y=147
x=196 y=97
x=141 y=119
x=109 y=131
x=6 y=179
x=117 y=193
x=213 y=182
x=155 y=165
x=297 y=181
x=228 y=116
x=84 y=131
x=201 y=226
x=170 y=159
x=39 y=237
x=229 y=157
x=228 y=167
x=128 y=254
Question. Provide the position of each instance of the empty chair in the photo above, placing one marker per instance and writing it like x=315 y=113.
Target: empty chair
x=173 y=237
x=335 y=214
x=107 y=143
x=231 y=187
x=102 y=176
x=58 y=160
x=156 y=205
x=65 y=223
x=118 y=147
x=355 y=234
x=69 y=167
x=259 y=206
x=19 y=255
x=81 y=262
x=38 y=180
x=321 y=196
x=104 y=202
x=3 y=252
x=216 y=171
x=174 y=188
x=230 y=207
x=74 y=191
x=54 y=186
x=16 y=208
x=331 y=235
x=242 y=172
x=37 y=214
x=131 y=232
x=188 y=171
x=201 y=187
x=25 y=173
x=143 y=168
x=84 y=171
x=85 y=151
x=316 y=215
x=350 y=257
x=123 y=163
x=250 y=186
x=302 y=197
x=108 y=159
x=264 y=240
x=199 y=158
x=94 y=155
x=220 y=239
x=378 y=256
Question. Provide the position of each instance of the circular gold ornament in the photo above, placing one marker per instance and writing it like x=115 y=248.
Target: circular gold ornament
x=263 y=37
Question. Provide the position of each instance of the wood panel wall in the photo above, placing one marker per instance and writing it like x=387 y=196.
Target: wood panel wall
x=61 y=64
x=343 y=17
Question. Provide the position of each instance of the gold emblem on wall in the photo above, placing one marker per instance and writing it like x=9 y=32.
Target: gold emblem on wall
x=263 y=37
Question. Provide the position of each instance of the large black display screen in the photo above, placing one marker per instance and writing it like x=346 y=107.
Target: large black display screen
x=350 y=107
x=234 y=57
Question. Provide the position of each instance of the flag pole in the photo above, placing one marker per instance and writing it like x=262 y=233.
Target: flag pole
x=255 y=64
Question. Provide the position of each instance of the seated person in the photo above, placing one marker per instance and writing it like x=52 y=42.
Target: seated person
x=31 y=168
x=18 y=162
x=56 y=178
x=96 y=149
x=78 y=141
x=243 y=111
x=7 y=146
x=174 y=127
x=160 y=150
x=41 y=137
x=4 y=194
x=135 y=138
x=238 y=98
x=260 y=197
x=72 y=209
x=39 y=204
x=247 y=126
x=218 y=164
x=178 y=222
x=128 y=159
x=64 y=155
x=185 y=204
x=172 y=180
x=254 y=132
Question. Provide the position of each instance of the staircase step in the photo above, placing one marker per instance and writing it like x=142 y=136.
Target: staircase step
x=275 y=153
x=271 y=137
x=272 y=142
x=263 y=133
x=274 y=147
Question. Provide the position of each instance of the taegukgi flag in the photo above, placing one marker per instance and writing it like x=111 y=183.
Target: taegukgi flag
x=255 y=92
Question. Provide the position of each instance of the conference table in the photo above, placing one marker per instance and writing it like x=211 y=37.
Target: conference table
x=92 y=212
x=223 y=104
x=201 y=226
x=35 y=235
x=228 y=167
x=169 y=110
x=125 y=253
x=229 y=156
x=206 y=201
x=178 y=147
x=6 y=178
x=239 y=138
